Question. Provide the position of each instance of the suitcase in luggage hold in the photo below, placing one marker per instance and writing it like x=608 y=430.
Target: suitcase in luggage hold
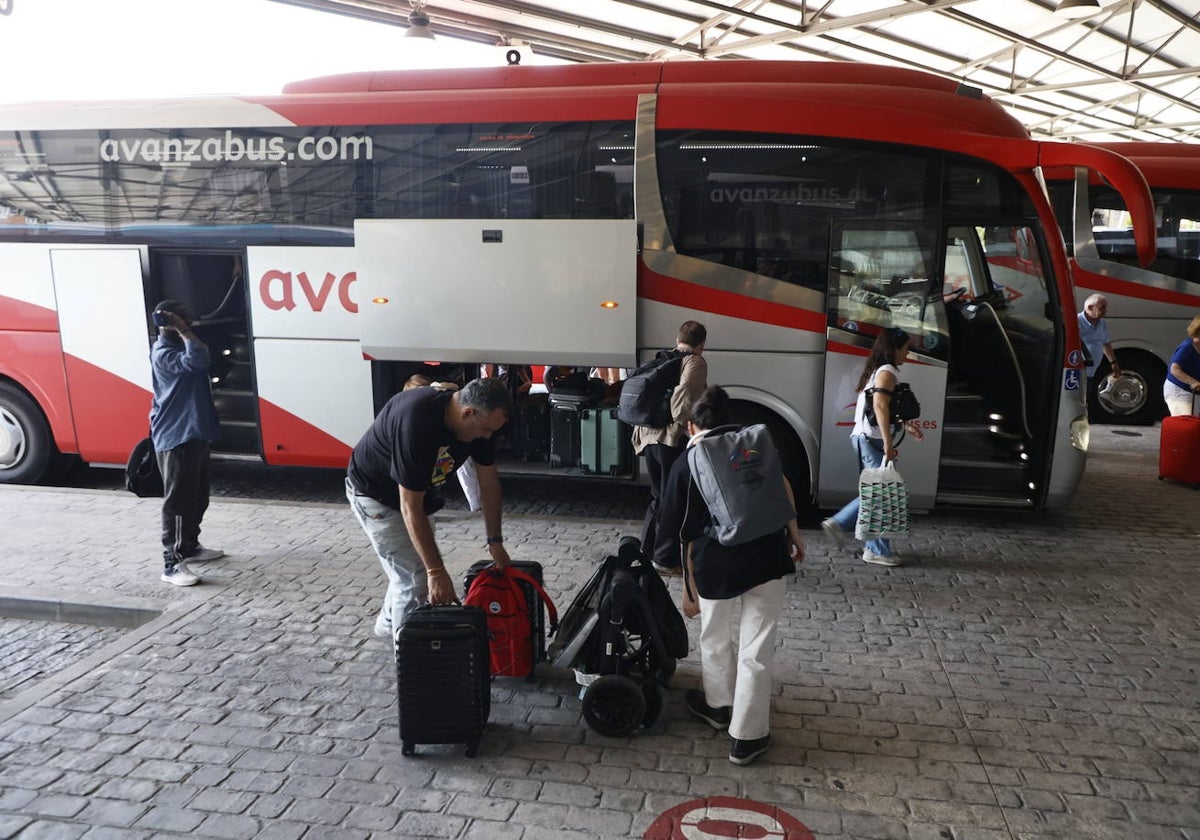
x=442 y=675
x=564 y=435
x=517 y=642
x=1179 y=449
x=530 y=428
x=604 y=442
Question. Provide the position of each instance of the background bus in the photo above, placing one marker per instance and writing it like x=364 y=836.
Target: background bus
x=1148 y=308
x=794 y=208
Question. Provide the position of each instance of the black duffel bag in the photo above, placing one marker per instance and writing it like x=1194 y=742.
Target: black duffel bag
x=142 y=477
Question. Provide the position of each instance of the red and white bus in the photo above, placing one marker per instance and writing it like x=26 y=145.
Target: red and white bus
x=1148 y=307
x=333 y=236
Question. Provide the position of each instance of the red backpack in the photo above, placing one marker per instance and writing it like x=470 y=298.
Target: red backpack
x=502 y=595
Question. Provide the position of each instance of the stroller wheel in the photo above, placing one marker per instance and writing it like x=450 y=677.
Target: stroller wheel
x=656 y=699
x=614 y=706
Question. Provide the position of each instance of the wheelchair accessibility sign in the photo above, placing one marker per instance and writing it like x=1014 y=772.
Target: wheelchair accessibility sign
x=1071 y=379
x=725 y=817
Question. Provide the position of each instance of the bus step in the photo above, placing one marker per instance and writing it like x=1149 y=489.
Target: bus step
x=238 y=436
x=983 y=499
x=239 y=378
x=986 y=474
x=234 y=404
x=976 y=440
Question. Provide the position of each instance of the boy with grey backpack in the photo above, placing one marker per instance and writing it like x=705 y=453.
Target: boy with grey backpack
x=732 y=508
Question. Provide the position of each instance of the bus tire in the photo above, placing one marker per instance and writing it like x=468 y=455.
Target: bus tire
x=1136 y=401
x=791 y=453
x=25 y=443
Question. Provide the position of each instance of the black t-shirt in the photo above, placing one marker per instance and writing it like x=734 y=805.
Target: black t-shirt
x=410 y=445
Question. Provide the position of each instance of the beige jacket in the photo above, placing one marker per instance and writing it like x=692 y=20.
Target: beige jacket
x=693 y=379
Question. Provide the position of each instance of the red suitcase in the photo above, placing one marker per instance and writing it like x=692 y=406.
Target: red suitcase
x=1179 y=449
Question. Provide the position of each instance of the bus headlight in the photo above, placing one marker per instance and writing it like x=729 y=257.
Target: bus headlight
x=1081 y=433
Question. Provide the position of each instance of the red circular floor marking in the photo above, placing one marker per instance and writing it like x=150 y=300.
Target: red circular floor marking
x=726 y=817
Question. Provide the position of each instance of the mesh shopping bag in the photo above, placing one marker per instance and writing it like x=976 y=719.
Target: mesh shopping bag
x=884 y=509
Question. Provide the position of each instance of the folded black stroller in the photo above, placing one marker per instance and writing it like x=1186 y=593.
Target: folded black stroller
x=622 y=636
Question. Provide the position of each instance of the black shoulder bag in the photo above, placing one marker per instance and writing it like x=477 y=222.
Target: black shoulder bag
x=903 y=405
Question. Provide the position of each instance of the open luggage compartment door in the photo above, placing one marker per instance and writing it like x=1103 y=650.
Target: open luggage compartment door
x=501 y=290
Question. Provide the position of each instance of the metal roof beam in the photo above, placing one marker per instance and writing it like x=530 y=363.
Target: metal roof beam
x=834 y=24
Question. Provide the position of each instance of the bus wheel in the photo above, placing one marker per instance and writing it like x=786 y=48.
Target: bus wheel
x=1133 y=400
x=25 y=446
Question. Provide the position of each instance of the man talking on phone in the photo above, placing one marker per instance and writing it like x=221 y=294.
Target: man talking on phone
x=183 y=425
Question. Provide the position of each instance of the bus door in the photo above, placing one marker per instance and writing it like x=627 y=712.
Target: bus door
x=1004 y=371
x=106 y=352
x=882 y=277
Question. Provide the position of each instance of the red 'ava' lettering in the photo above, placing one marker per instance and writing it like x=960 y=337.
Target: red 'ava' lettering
x=285 y=299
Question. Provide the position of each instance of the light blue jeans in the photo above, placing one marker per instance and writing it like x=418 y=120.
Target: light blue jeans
x=408 y=587
x=868 y=456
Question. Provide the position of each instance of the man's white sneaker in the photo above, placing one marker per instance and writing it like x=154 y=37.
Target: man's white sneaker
x=203 y=555
x=180 y=576
x=833 y=531
x=870 y=556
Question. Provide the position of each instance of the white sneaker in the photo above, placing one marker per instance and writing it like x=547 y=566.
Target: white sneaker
x=870 y=556
x=833 y=531
x=203 y=555
x=181 y=576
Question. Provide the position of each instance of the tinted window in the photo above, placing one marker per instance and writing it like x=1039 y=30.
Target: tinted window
x=771 y=204
x=140 y=181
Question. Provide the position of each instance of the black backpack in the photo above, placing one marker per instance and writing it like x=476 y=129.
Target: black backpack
x=646 y=396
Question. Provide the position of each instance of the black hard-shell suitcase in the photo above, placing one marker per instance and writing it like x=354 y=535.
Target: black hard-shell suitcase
x=442 y=665
x=564 y=435
x=529 y=429
x=537 y=610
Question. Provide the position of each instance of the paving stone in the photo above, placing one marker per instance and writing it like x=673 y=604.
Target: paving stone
x=1024 y=676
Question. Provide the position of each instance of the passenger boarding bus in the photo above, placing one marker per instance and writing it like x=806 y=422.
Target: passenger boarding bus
x=337 y=237
x=1148 y=307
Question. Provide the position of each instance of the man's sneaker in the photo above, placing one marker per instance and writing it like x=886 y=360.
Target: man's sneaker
x=833 y=531
x=180 y=575
x=743 y=752
x=203 y=555
x=667 y=571
x=717 y=718
x=870 y=556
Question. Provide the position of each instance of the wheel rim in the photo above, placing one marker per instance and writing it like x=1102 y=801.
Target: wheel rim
x=12 y=440
x=1125 y=395
x=615 y=708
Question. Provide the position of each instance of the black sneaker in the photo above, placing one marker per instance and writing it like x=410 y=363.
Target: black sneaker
x=718 y=719
x=667 y=571
x=743 y=752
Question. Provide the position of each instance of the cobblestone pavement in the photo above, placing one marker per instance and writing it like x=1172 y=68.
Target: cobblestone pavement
x=1026 y=676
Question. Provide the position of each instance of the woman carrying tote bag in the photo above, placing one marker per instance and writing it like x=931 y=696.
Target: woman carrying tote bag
x=873 y=437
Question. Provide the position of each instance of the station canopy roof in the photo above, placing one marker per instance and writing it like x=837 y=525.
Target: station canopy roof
x=1121 y=70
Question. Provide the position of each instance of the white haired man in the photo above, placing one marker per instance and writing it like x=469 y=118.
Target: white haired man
x=1093 y=332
